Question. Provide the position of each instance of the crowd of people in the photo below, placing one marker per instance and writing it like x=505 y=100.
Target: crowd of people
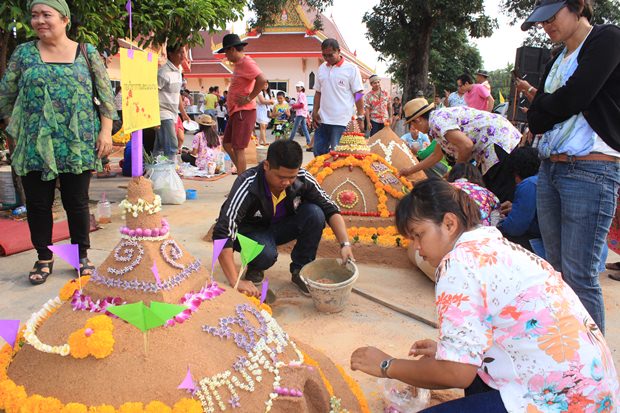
x=514 y=230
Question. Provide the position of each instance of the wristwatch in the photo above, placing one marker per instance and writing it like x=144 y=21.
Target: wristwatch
x=359 y=117
x=345 y=244
x=385 y=365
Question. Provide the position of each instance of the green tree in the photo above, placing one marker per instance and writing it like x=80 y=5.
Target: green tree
x=411 y=25
x=605 y=11
x=500 y=81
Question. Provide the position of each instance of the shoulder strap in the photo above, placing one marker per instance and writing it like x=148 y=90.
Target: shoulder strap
x=82 y=47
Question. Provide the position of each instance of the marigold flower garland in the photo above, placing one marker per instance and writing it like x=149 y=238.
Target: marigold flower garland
x=382 y=236
x=95 y=339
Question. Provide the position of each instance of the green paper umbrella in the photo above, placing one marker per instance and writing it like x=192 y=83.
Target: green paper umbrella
x=249 y=249
x=144 y=318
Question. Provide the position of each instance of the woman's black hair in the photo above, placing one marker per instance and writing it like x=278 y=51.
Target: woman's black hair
x=431 y=200
x=581 y=8
x=210 y=135
x=523 y=162
x=468 y=171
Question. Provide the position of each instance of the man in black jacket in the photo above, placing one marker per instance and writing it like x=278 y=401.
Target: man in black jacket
x=274 y=203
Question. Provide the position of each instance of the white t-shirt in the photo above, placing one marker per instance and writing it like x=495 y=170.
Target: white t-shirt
x=169 y=81
x=338 y=85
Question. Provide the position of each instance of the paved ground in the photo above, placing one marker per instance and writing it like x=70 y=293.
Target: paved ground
x=362 y=323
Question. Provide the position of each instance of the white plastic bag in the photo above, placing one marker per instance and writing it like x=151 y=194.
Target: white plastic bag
x=400 y=397
x=166 y=183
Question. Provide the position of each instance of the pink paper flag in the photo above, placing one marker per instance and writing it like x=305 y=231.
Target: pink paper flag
x=156 y=273
x=68 y=252
x=136 y=153
x=149 y=57
x=263 y=293
x=188 y=382
x=130 y=53
x=128 y=8
x=218 y=246
x=8 y=331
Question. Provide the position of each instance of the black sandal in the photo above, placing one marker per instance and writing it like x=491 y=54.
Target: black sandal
x=38 y=270
x=86 y=267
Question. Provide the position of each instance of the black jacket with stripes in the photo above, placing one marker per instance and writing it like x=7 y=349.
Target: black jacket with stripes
x=248 y=209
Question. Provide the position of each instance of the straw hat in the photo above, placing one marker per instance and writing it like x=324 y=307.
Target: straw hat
x=205 y=120
x=415 y=108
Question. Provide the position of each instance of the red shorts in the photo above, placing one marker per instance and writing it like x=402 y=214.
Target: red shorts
x=179 y=125
x=239 y=128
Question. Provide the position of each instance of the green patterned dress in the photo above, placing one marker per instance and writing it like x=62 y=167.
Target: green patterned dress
x=53 y=119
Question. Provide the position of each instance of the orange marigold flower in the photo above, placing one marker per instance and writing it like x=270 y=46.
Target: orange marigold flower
x=157 y=407
x=37 y=403
x=78 y=345
x=104 y=408
x=100 y=344
x=74 y=408
x=131 y=407
x=187 y=406
x=70 y=287
x=100 y=323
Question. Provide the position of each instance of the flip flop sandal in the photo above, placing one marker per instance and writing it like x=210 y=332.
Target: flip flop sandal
x=614 y=266
x=614 y=276
x=86 y=266
x=38 y=270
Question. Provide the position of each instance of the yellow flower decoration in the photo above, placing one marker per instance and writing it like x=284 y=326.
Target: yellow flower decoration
x=157 y=407
x=260 y=306
x=131 y=407
x=37 y=403
x=187 y=406
x=67 y=291
x=355 y=389
x=74 y=408
x=104 y=408
x=94 y=339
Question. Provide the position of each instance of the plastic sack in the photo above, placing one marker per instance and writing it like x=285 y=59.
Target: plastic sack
x=166 y=182
x=400 y=397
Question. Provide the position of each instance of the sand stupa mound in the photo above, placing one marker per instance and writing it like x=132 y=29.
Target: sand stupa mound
x=360 y=182
x=395 y=151
x=75 y=356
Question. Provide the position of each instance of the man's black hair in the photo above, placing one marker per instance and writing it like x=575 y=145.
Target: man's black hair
x=173 y=48
x=523 y=162
x=330 y=43
x=465 y=78
x=285 y=153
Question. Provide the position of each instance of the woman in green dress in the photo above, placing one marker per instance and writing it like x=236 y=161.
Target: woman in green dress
x=46 y=97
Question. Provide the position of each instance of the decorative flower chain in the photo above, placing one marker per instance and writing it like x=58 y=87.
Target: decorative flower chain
x=262 y=357
x=193 y=300
x=150 y=234
x=147 y=287
x=175 y=251
x=245 y=341
x=140 y=206
x=83 y=302
x=129 y=255
x=33 y=323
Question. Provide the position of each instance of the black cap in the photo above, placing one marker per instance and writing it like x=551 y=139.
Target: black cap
x=545 y=9
x=231 y=40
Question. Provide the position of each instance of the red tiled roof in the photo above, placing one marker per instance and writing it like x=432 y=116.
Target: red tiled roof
x=329 y=27
x=204 y=52
x=208 y=69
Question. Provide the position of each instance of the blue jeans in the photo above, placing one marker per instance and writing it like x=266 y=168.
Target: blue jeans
x=375 y=127
x=479 y=398
x=306 y=226
x=300 y=120
x=576 y=202
x=326 y=137
x=166 y=139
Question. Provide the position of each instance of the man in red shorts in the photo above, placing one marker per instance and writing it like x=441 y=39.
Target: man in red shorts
x=247 y=82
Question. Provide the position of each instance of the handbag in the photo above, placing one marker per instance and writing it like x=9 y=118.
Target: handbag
x=96 y=101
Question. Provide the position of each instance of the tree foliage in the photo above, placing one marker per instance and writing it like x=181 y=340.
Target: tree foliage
x=605 y=11
x=402 y=32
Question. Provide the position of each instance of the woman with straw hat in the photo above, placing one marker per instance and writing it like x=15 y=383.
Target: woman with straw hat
x=47 y=95
x=205 y=146
x=468 y=135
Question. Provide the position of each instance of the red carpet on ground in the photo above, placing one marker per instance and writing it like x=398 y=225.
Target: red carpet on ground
x=15 y=235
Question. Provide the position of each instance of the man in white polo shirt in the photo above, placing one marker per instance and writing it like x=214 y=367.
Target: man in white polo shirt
x=338 y=89
x=169 y=82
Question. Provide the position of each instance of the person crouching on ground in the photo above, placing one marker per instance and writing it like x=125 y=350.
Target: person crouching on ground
x=274 y=203
x=205 y=146
x=512 y=333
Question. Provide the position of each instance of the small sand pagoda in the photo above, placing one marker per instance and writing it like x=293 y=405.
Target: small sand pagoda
x=75 y=356
x=395 y=151
x=360 y=182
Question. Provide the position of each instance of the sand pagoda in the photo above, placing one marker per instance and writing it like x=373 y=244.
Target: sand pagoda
x=362 y=183
x=395 y=151
x=225 y=350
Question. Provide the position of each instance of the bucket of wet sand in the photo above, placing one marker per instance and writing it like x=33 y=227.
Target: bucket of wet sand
x=330 y=283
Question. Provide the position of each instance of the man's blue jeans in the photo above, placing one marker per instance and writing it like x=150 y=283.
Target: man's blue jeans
x=166 y=139
x=306 y=226
x=576 y=202
x=300 y=120
x=326 y=137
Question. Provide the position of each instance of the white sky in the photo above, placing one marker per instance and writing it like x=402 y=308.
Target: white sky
x=496 y=51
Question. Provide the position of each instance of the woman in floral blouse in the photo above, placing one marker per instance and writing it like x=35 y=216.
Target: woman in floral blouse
x=47 y=96
x=467 y=134
x=512 y=333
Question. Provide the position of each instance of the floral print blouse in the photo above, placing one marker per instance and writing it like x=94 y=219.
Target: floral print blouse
x=485 y=199
x=509 y=312
x=485 y=129
x=377 y=104
x=53 y=118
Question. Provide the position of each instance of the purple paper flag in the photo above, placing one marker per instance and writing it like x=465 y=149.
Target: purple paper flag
x=68 y=252
x=156 y=273
x=218 y=246
x=8 y=331
x=188 y=382
x=263 y=293
x=130 y=53
x=136 y=153
x=358 y=96
x=128 y=7
x=149 y=57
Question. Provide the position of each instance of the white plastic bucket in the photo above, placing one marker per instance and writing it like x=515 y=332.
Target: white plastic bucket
x=332 y=296
x=261 y=153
